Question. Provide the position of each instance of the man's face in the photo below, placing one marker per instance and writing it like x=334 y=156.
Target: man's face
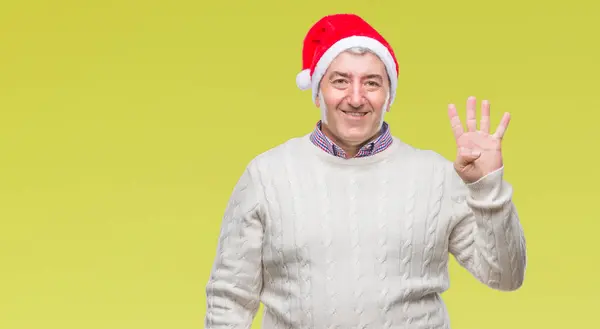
x=353 y=97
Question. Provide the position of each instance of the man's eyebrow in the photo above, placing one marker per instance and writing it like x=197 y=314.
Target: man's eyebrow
x=374 y=76
x=342 y=74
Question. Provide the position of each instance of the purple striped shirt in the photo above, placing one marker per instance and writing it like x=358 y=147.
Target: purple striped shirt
x=382 y=142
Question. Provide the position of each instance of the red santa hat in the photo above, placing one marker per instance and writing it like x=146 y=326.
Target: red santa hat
x=334 y=34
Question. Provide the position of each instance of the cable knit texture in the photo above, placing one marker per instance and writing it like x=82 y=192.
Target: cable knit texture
x=325 y=242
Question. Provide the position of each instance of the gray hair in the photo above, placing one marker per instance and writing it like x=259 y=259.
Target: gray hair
x=359 y=50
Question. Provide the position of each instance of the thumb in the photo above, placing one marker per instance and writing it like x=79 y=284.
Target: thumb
x=466 y=156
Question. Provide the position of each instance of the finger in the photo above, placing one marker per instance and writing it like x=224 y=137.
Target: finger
x=484 y=124
x=457 y=128
x=471 y=114
x=466 y=156
x=502 y=126
x=469 y=153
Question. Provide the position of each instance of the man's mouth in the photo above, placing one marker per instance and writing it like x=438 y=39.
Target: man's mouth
x=355 y=113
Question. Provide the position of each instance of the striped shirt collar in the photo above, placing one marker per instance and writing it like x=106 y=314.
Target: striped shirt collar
x=382 y=142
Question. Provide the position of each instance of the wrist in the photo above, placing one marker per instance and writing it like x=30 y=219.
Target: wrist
x=486 y=186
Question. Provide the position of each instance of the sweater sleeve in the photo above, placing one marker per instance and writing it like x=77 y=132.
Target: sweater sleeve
x=235 y=283
x=488 y=239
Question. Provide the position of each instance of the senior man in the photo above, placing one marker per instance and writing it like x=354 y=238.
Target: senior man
x=350 y=227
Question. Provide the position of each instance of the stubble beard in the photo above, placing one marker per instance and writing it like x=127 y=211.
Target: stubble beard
x=323 y=108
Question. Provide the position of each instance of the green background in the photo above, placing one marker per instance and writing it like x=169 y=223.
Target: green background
x=125 y=124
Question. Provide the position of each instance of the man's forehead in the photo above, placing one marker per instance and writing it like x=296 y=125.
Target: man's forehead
x=352 y=64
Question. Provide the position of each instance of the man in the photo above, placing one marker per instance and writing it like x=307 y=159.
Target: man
x=349 y=227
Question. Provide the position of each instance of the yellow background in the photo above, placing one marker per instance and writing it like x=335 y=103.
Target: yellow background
x=124 y=125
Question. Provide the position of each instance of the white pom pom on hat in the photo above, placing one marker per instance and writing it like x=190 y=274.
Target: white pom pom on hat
x=303 y=79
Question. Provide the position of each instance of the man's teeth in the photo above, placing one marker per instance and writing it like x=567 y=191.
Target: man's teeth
x=356 y=114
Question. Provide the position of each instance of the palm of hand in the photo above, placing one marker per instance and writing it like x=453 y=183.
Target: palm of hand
x=478 y=152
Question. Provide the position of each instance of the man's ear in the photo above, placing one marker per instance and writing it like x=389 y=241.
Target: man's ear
x=389 y=104
x=318 y=98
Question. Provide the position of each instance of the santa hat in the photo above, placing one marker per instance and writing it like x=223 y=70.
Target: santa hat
x=335 y=34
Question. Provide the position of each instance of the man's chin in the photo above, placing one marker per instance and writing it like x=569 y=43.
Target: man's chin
x=352 y=133
x=355 y=135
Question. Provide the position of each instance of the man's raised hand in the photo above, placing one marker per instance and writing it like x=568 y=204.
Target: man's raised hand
x=478 y=152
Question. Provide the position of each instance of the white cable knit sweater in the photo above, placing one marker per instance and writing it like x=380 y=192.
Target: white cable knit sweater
x=325 y=242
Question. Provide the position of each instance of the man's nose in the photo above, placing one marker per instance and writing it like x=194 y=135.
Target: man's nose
x=356 y=95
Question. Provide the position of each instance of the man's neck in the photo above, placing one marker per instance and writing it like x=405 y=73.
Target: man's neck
x=349 y=149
